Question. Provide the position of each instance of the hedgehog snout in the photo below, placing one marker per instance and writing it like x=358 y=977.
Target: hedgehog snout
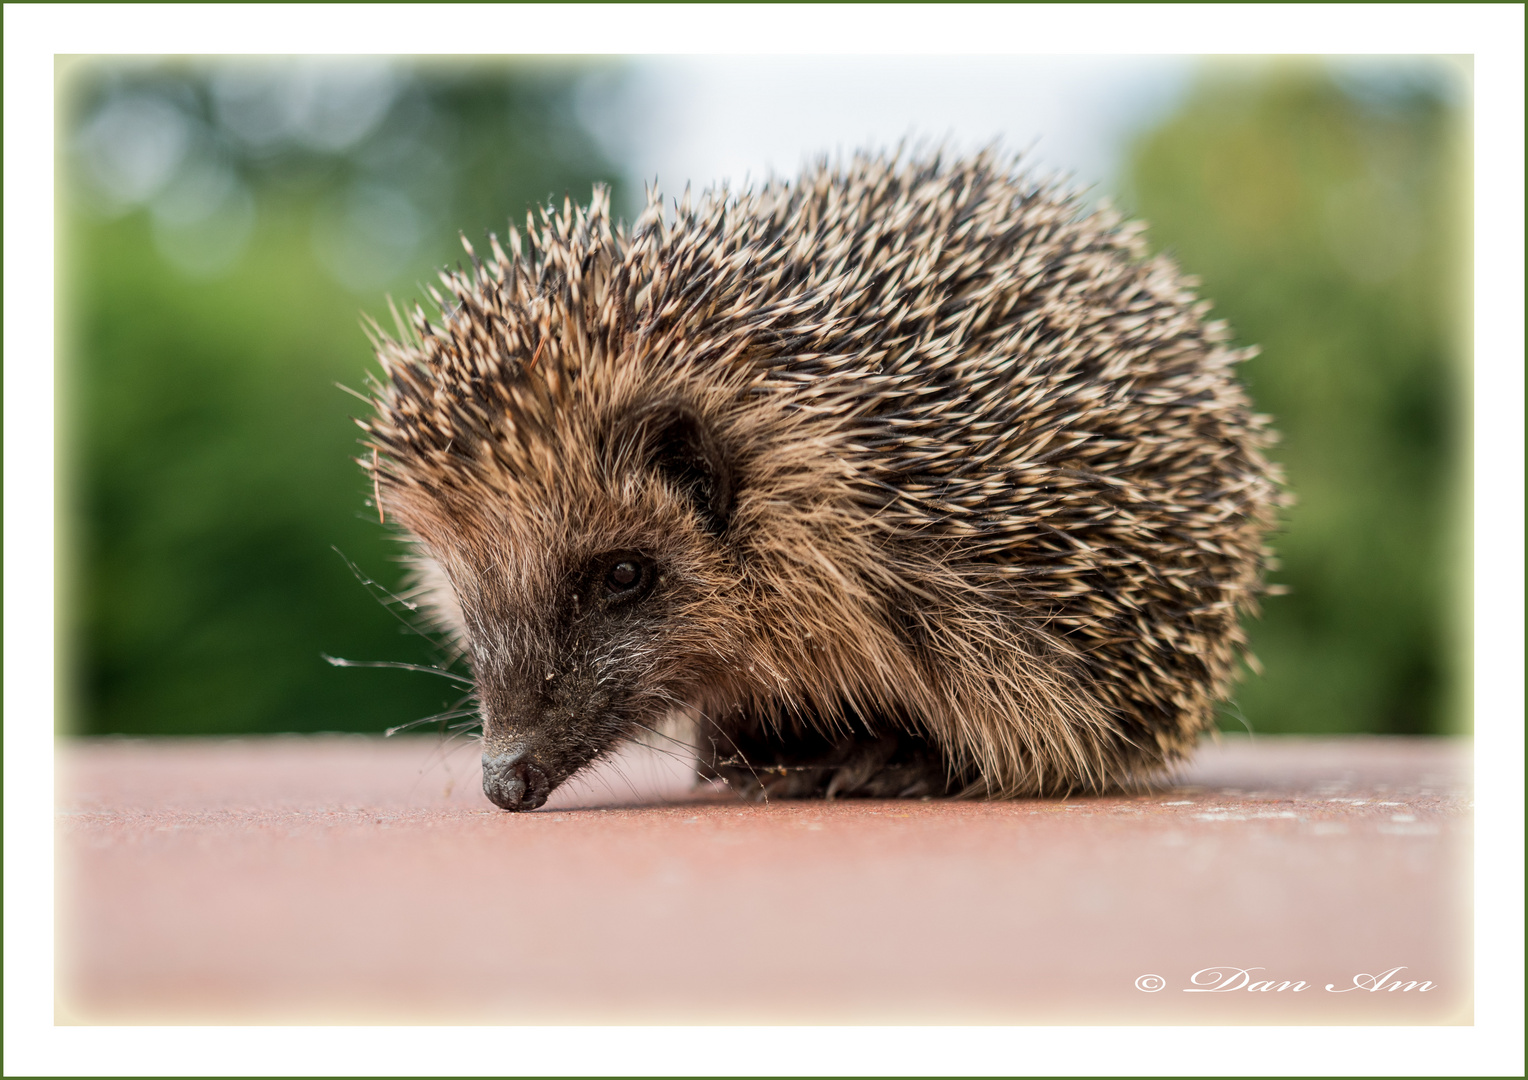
x=542 y=722
x=514 y=780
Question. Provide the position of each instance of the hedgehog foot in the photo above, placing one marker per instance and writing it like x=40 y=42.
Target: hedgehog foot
x=888 y=765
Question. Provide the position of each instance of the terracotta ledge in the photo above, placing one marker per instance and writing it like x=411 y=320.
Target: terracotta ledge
x=346 y=879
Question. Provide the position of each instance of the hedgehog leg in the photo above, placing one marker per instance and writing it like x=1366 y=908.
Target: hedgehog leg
x=761 y=762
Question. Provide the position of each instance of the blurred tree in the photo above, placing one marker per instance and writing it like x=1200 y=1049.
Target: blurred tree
x=223 y=223
x=1325 y=209
x=223 y=226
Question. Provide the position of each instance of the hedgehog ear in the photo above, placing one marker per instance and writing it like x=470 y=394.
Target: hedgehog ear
x=681 y=447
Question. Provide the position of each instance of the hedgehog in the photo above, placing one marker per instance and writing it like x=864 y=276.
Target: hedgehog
x=911 y=476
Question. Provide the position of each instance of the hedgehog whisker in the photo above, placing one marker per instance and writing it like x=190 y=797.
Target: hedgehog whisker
x=430 y=720
x=714 y=726
x=387 y=599
x=656 y=733
x=398 y=664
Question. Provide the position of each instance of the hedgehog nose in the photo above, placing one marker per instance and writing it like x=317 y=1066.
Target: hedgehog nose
x=514 y=782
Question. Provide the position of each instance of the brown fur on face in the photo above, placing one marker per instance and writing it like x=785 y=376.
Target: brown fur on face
x=931 y=483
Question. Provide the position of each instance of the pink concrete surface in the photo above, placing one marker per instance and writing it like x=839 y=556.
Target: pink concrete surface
x=346 y=879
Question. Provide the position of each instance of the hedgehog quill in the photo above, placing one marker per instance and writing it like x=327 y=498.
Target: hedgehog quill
x=908 y=477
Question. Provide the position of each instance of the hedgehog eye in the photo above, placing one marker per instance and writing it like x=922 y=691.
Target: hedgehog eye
x=627 y=577
x=624 y=575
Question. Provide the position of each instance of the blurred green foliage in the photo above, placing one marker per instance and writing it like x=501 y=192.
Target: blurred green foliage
x=1326 y=211
x=221 y=234
x=208 y=450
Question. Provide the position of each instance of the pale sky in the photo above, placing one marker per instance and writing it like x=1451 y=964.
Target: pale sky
x=706 y=118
